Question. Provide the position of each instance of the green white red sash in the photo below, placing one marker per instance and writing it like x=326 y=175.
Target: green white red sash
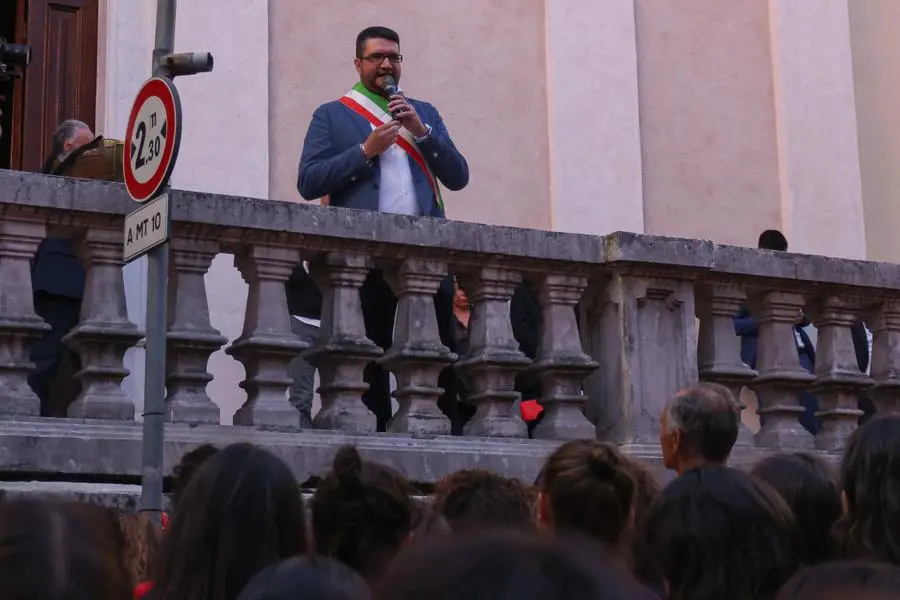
x=373 y=108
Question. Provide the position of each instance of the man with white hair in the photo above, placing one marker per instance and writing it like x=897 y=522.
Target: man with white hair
x=70 y=135
x=698 y=427
x=57 y=281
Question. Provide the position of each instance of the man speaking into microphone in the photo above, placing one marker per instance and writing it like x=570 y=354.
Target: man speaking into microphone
x=376 y=149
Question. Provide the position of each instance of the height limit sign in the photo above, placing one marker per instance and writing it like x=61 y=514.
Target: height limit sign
x=151 y=148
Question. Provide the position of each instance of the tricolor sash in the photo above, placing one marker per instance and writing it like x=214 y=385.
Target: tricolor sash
x=373 y=108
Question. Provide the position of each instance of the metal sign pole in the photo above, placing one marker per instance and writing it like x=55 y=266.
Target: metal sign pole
x=157 y=295
x=168 y=65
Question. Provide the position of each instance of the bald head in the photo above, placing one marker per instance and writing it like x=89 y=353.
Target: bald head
x=699 y=426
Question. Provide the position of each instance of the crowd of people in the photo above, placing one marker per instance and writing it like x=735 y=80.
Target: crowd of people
x=595 y=524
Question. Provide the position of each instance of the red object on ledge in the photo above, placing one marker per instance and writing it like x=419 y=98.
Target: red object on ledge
x=530 y=409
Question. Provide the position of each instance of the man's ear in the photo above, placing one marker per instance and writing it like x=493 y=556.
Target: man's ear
x=676 y=441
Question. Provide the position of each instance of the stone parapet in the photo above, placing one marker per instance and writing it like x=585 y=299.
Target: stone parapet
x=625 y=321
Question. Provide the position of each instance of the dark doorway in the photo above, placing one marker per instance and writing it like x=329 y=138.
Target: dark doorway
x=10 y=10
x=61 y=81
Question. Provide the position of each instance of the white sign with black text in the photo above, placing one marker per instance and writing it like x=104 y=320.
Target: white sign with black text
x=146 y=228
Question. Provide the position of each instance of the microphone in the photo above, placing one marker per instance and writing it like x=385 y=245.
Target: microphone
x=389 y=85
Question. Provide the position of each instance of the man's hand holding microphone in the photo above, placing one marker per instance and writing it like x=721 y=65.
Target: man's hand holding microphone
x=385 y=136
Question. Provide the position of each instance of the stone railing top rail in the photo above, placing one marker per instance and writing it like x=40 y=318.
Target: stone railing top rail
x=237 y=220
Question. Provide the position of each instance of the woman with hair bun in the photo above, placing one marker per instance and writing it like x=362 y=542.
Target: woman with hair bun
x=362 y=513
x=586 y=487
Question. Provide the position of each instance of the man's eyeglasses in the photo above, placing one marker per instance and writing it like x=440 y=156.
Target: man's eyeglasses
x=377 y=59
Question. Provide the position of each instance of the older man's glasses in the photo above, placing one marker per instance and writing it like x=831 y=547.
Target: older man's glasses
x=379 y=58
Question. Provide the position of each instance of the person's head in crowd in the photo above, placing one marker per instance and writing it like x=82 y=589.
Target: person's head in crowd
x=810 y=486
x=698 y=427
x=60 y=551
x=772 y=239
x=844 y=581
x=476 y=498
x=142 y=539
x=645 y=492
x=428 y=523
x=186 y=467
x=506 y=565
x=240 y=512
x=362 y=513
x=586 y=488
x=309 y=578
x=870 y=476
x=719 y=533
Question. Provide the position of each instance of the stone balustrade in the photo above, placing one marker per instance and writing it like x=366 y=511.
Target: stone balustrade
x=626 y=321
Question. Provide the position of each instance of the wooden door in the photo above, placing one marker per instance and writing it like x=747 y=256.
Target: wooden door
x=61 y=81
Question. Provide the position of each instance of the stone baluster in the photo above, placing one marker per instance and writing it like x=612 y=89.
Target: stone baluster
x=718 y=347
x=417 y=355
x=494 y=358
x=781 y=376
x=190 y=339
x=104 y=333
x=561 y=362
x=20 y=327
x=266 y=344
x=342 y=351
x=838 y=378
x=885 y=367
x=642 y=331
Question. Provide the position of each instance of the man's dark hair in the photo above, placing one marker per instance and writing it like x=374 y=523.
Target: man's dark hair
x=772 y=239
x=719 y=533
x=708 y=417
x=374 y=33
x=812 y=488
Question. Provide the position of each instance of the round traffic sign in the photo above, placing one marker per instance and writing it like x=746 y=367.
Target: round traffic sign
x=152 y=139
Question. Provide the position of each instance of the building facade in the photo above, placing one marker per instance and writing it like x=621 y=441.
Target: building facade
x=697 y=118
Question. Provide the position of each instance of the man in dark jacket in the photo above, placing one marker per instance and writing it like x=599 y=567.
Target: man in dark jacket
x=57 y=281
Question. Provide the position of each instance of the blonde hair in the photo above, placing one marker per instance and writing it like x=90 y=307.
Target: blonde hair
x=142 y=540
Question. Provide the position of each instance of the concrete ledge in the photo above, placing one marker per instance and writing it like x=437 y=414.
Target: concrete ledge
x=96 y=449
x=61 y=448
x=236 y=220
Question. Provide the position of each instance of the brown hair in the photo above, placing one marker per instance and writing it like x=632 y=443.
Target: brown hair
x=473 y=497
x=590 y=489
x=362 y=513
x=60 y=551
x=142 y=538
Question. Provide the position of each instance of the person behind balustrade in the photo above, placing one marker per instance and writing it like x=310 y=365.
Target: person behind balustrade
x=378 y=149
x=57 y=281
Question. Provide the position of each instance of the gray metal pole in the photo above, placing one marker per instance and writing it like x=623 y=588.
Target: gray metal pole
x=158 y=287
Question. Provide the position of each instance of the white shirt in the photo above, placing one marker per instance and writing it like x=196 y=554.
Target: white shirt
x=397 y=194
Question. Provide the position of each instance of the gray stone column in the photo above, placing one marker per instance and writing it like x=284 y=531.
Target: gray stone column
x=718 y=347
x=494 y=357
x=190 y=339
x=417 y=355
x=561 y=362
x=104 y=333
x=342 y=351
x=20 y=327
x=838 y=378
x=266 y=344
x=885 y=368
x=642 y=330
x=781 y=377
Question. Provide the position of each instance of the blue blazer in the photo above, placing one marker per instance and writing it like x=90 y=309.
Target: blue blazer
x=56 y=269
x=333 y=165
x=745 y=326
